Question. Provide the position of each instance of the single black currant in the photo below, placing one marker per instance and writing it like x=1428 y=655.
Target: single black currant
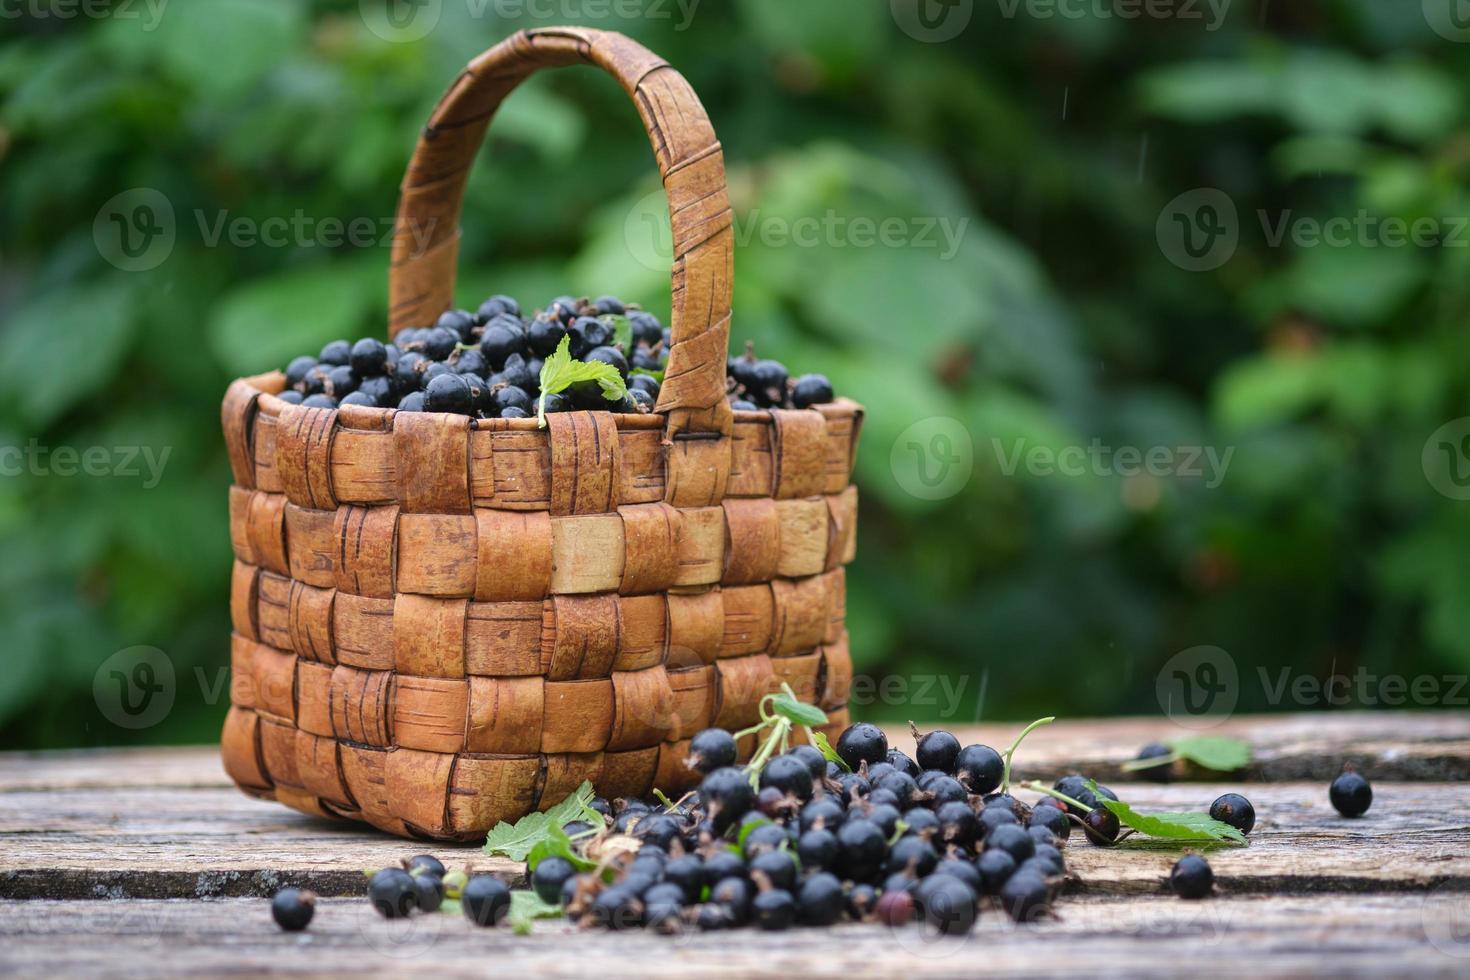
x=769 y=388
x=550 y=874
x=359 y=398
x=368 y=357
x=341 y=382
x=646 y=328
x=429 y=891
x=1101 y=826
x=735 y=895
x=901 y=785
x=911 y=855
x=502 y=337
x=723 y=864
x=711 y=749
x=393 y=893
x=938 y=749
x=819 y=901
x=946 y=789
x=712 y=917
x=788 y=774
x=778 y=866
x=822 y=813
x=642 y=400
x=293 y=908
x=644 y=382
x=507 y=397
x=1192 y=877
x=471 y=360
x=853 y=787
x=1350 y=794
x=885 y=815
x=609 y=305
x=861 y=743
x=741 y=405
x=543 y=334
x=643 y=359
x=1012 y=839
x=766 y=836
x=898 y=760
x=485 y=900
x=862 y=849
x=963 y=869
x=1236 y=810
x=555 y=402
x=1051 y=856
x=1042 y=835
x=1025 y=897
x=460 y=322
x=379 y=389
x=338 y=353
x=921 y=822
x=815 y=389
x=774 y=910
x=726 y=795
x=564 y=307
x=659 y=830
x=495 y=306
x=861 y=899
x=817 y=848
x=995 y=867
x=412 y=402
x=319 y=401
x=1052 y=818
x=515 y=413
x=946 y=904
x=439 y=343
x=292 y=397
x=687 y=873
x=617 y=907
x=298 y=369
x=957 y=823
x=449 y=393
x=980 y=768
x=882 y=769
x=993 y=817
x=587 y=334
x=816 y=763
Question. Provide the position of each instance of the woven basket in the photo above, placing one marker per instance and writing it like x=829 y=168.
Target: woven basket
x=441 y=623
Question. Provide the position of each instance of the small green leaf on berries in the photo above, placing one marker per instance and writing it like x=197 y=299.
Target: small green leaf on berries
x=819 y=739
x=787 y=706
x=1173 y=826
x=525 y=907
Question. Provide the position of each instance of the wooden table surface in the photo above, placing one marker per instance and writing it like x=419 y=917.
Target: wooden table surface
x=148 y=862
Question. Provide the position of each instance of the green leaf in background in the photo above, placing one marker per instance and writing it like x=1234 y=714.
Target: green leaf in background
x=86 y=329
x=1174 y=826
x=1215 y=752
x=622 y=331
x=800 y=714
x=525 y=907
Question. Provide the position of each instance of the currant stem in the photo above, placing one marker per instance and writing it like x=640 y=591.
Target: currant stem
x=1048 y=791
x=1160 y=760
x=1005 y=778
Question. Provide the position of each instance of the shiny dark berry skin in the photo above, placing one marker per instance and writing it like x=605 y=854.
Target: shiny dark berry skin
x=711 y=749
x=767 y=837
x=901 y=785
x=495 y=306
x=644 y=382
x=912 y=855
x=617 y=908
x=957 y=823
x=291 y=397
x=412 y=402
x=815 y=389
x=1101 y=827
x=898 y=760
x=819 y=901
x=862 y=849
x=1192 y=877
x=895 y=908
x=816 y=763
x=937 y=750
x=788 y=774
x=502 y=337
x=646 y=328
x=1025 y=897
x=393 y=893
x=470 y=361
x=1012 y=839
x=777 y=865
x=564 y=307
x=439 y=343
x=338 y=353
x=609 y=304
x=1052 y=818
x=817 y=848
x=644 y=359
x=963 y=869
x=1052 y=856
x=993 y=817
x=1155 y=774
x=922 y=822
x=298 y=369
x=1075 y=786
x=727 y=795
x=509 y=397
x=822 y=813
x=461 y=322
x=774 y=910
x=449 y=393
x=429 y=889
x=1350 y=794
x=517 y=371
x=485 y=900
x=319 y=401
x=555 y=402
x=588 y=333
x=293 y=908
x=861 y=899
x=861 y=743
x=550 y=875
x=368 y=357
x=979 y=768
x=946 y=904
x=360 y=398
x=686 y=873
x=543 y=334
x=995 y=867
x=379 y=389
x=641 y=399
x=341 y=382
x=735 y=895
x=1236 y=810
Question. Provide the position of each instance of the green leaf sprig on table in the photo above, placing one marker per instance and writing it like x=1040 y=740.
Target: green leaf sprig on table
x=1192 y=827
x=525 y=907
x=542 y=833
x=560 y=371
x=780 y=712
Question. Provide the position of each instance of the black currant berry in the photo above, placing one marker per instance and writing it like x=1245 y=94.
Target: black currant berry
x=711 y=749
x=817 y=848
x=816 y=763
x=298 y=369
x=369 y=357
x=789 y=775
x=1192 y=877
x=726 y=795
x=449 y=393
x=964 y=870
x=293 y=908
x=609 y=305
x=646 y=328
x=319 y=401
x=379 y=389
x=460 y=322
x=1052 y=818
x=921 y=821
x=393 y=893
x=471 y=360
x=938 y=749
x=774 y=910
x=946 y=904
x=338 y=353
x=993 y=817
x=439 y=343
x=1350 y=794
x=995 y=867
x=946 y=789
x=291 y=397
x=341 y=382
x=901 y=785
x=911 y=855
x=769 y=386
x=550 y=875
x=822 y=813
x=564 y=307
x=957 y=823
x=686 y=873
x=1236 y=810
x=412 y=402
x=429 y=891
x=555 y=402
x=820 y=901
x=588 y=333
x=861 y=743
x=644 y=359
x=862 y=849
x=360 y=398
x=1155 y=774
x=1101 y=826
x=898 y=760
x=485 y=900
x=495 y=306
x=979 y=768
x=509 y=397
x=1025 y=897
x=741 y=405
x=734 y=894
x=1012 y=839
x=777 y=865
x=543 y=334
x=1051 y=856
x=861 y=899
x=815 y=389
x=502 y=337
x=644 y=382
x=617 y=908
x=1042 y=836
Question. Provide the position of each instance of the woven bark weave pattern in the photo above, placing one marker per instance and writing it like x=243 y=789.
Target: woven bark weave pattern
x=441 y=623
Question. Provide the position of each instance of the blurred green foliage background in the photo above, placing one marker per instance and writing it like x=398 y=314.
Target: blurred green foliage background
x=1057 y=143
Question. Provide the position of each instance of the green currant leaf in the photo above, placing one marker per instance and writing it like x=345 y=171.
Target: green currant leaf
x=577 y=806
x=1214 y=752
x=745 y=830
x=1173 y=826
x=451 y=905
x=556 y=843
x=801 y=714
x=819 y=739
x=517 y=840
x=559 y=372
x=622 y=331
x=655 y=375
x=525 y=907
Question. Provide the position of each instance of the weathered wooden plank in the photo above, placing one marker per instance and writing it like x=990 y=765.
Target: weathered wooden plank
x=1249 y=936
x=179 y=843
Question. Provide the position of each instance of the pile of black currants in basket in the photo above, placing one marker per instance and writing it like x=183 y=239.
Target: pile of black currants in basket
x=492 y=363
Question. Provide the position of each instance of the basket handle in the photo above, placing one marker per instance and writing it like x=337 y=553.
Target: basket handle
x=426 y=232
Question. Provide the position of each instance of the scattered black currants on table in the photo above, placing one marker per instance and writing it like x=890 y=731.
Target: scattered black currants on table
x=488 y=364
